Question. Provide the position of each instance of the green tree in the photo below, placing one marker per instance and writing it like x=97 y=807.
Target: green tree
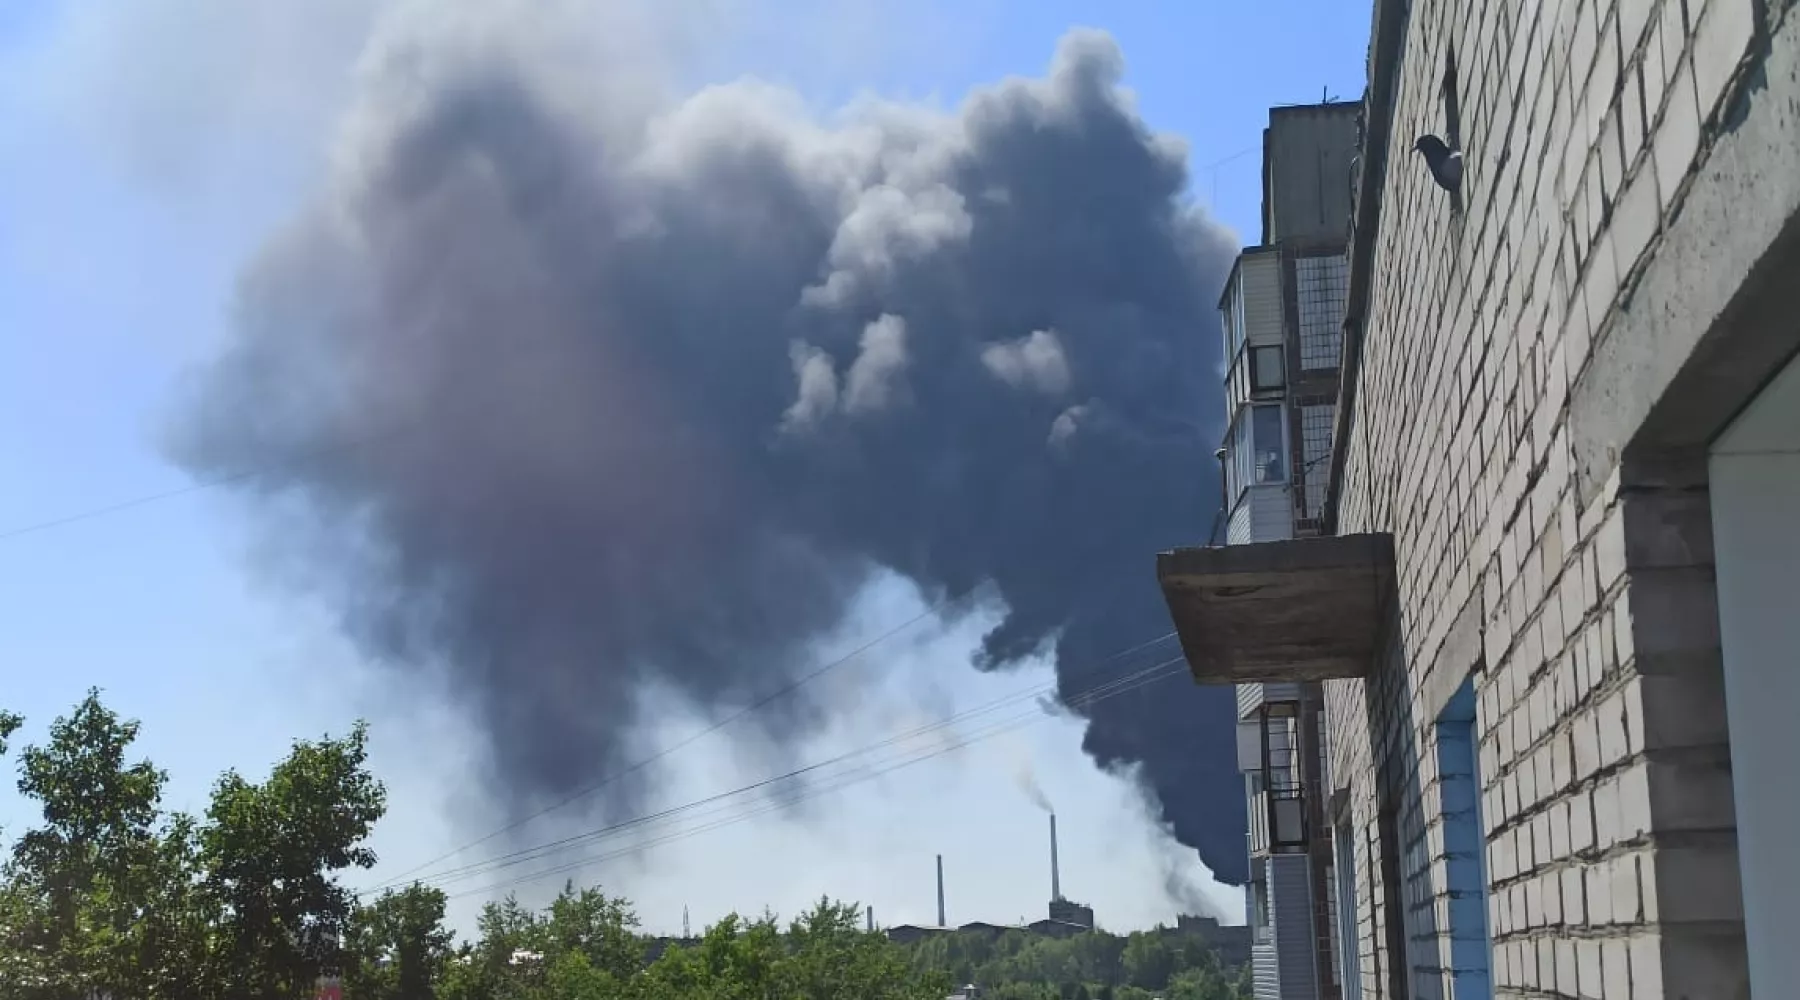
x=462 y=978
x=821 y=955
x=397 y=946
x=271 y=851
x=485 y=969
x=1199 y=984
x=77 y=911
x=600 y=928
x=832 y=958
x=1100 y=966
x=1148 y=961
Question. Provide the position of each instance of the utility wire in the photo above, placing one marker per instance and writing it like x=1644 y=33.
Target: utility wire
x=544 y=850
x=1120 y=686
x=795 y=796
x=228 y=479
x=633 y=768
x=123 y=505
x=535 y=852
x=788 y=800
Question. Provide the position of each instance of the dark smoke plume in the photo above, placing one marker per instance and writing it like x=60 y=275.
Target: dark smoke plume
x=555 y=393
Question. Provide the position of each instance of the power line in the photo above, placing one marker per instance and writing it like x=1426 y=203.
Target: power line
x=800 y=795
x=123 y=505
x=1144 y=678
x=678 y=812
x=229 y=479
x=1212 y=170
x=535 y=852
x=1221 y=161
x=702 y=734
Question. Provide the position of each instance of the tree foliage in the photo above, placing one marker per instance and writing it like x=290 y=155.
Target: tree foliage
x=110 y=895
x=397 y=946
x=1166 y=963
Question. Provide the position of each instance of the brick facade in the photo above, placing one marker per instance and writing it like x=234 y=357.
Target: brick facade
x=1539 y=357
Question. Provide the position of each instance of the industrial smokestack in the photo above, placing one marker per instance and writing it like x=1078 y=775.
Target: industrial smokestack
x=941 y=921
x=869 y=913
x=1055 y=876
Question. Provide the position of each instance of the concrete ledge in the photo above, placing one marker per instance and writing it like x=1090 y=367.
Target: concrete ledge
x=1301 y=610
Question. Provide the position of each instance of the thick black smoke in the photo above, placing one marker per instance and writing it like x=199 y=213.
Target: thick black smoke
x=553 y=395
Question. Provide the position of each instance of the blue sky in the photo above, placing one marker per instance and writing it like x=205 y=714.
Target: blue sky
x=149 y=151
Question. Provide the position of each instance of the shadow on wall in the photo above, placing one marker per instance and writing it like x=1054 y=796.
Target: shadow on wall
x=1419 y=787
x=1407 y=920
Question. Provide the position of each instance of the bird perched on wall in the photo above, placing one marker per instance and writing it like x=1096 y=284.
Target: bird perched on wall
x=1446 y=164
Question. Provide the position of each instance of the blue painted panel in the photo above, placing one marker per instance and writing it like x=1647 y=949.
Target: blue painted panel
x=1459 y=783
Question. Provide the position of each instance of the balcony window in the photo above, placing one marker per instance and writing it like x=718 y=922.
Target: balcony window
x=1268 y=369
x=1258 y=448
x=1231 y=320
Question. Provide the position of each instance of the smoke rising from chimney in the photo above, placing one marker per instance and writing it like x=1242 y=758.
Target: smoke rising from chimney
x=559 y=387
x=1025 y=776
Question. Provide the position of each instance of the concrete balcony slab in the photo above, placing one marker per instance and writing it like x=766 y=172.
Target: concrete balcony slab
x=1306 y=609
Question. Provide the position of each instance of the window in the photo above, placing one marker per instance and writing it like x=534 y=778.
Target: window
x=1231 y=318
x=1267 y=369
x=1465 y=846
x=1258 y=446
x=1225 y=324
x=1268 y=441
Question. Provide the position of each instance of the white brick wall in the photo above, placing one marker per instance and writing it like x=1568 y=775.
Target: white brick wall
x=1582 y=124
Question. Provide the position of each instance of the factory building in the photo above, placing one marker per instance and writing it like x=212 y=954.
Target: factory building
x=1066 y=917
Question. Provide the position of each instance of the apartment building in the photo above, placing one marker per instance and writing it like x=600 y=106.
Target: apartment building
x=1282 y=321
x=1551 y=607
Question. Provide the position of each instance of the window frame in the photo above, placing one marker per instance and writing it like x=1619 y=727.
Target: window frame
x=1243 y=447
x=1256 y=368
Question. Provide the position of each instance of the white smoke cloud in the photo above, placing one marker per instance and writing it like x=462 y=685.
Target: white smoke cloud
x=875 y=378
x=1035 y=361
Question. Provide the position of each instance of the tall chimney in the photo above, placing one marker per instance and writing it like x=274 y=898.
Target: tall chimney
x=941 y=921
x=1055 y=876
x=871 y=915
